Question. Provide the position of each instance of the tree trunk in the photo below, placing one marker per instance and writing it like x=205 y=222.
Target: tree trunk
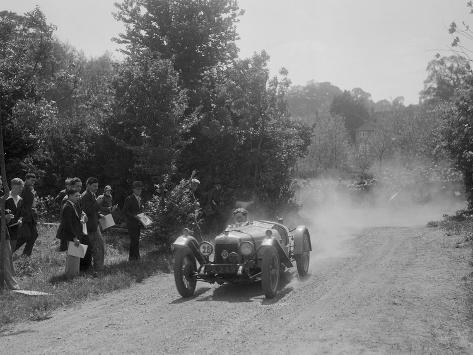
x=6 y=191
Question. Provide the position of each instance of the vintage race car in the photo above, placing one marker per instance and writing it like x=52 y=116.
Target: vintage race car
x=255 y=251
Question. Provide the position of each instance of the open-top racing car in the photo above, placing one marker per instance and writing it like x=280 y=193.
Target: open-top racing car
x=254 y=251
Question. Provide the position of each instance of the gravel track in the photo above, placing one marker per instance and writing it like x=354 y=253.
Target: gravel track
x=392 y=290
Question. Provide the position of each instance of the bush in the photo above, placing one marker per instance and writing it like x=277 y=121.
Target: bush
x=47 y=209
x=172 y=209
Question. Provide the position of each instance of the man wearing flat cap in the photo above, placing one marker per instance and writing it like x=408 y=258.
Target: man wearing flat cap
x=131 y=208
x=105 y=200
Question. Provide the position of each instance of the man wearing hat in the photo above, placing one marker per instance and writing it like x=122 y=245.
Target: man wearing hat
x=105 y=201
x=131 y=208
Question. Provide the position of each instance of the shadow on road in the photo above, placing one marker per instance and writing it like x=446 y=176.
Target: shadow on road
x=197 y=293
x=248 y=292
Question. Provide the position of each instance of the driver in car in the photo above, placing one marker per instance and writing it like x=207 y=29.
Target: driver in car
x=240 y=217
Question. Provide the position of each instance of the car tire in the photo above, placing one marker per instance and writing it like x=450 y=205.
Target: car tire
x=270 y=272
x=184 y=272
x=303 y=260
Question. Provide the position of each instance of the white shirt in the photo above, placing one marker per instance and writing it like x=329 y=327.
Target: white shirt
x=16 y=199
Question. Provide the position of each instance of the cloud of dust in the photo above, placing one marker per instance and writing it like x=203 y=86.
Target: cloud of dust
x=335 y=211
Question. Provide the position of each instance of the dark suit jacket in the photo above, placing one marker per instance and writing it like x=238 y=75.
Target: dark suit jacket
x=70 y=226
x=16 y=211
x=78 y=206
x=59 y=199
x=89 y=205
x=27 y=211
x=130 y=209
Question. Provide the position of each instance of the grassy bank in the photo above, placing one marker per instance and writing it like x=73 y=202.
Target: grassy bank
x=460 y=227
x=44 y=272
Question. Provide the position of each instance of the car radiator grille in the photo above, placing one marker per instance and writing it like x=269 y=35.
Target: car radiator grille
x=221 y=247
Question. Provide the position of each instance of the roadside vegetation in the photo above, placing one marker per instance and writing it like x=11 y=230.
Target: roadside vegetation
x=44 y=272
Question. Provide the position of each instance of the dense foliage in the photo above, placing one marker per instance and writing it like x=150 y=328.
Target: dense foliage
x=180 y=100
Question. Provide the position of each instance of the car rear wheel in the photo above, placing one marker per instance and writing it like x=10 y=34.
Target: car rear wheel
x=303 y=260
x=185 y=269
x=270 y=272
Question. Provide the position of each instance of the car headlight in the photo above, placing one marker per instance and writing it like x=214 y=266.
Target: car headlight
x=247 y=248
x=206 y=248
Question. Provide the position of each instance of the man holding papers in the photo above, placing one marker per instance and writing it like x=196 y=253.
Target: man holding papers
x=70 y=229
x=131 y=208
x=89 y=205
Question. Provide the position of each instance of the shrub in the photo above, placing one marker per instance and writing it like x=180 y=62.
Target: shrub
x=172 y=209
x=47 y=209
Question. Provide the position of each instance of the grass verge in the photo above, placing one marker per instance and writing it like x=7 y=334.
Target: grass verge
x=460 y=226
x=44 y=272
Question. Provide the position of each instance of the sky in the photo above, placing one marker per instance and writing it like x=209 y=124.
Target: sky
x=381 y=46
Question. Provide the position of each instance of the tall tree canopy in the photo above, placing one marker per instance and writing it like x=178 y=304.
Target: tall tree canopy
x=445 y=75
x=197 y=36
x=26 y=63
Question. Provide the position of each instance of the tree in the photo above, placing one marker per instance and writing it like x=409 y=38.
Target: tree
x=247 y=142
x=26 y=44
x=457 y=135
x=311 y=102
x=445 y=76
x=3 y=221
x=352 y=109
x=197 y=36
x=329 y=148
x=462 y=36
x=148 y=117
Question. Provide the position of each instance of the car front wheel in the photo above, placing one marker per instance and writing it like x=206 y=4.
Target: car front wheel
x=185 y=269
x=270 y=272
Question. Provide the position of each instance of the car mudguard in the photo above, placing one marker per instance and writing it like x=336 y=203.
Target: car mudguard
x=187 y=241
x=273 y=243
x=298 y=239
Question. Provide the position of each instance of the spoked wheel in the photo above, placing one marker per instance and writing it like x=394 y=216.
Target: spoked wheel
x=303 y=260
x=185 y=269
x=270 y=272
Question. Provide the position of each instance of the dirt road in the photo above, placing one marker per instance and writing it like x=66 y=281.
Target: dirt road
x=388 y=290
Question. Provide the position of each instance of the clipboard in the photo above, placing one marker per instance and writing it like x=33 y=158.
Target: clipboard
x=79 y=251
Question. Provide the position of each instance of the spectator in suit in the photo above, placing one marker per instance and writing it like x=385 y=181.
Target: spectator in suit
x=105 y=201
x=70 y=228
x=89 y=205
x=13 y=207
x=28 y=232
x=76 y=185
x=59 y=199
x=6 y=258
x=134 y=205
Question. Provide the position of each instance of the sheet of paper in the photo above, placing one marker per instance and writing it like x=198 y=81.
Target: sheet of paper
x=76 y=251
x=144 y=219
x=31 y=293
x=106 y=221
x=84 y=228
